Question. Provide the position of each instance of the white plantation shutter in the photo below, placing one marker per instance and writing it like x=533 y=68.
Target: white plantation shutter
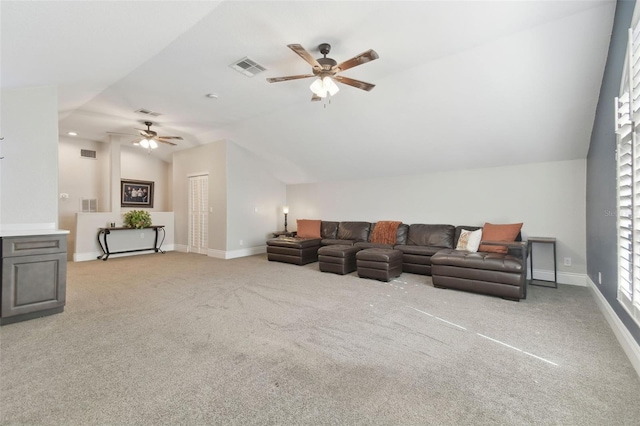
x=627 y=122
x=198 y=214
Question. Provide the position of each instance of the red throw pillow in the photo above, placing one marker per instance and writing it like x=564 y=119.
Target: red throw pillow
x=308 y=228
x=506 y=233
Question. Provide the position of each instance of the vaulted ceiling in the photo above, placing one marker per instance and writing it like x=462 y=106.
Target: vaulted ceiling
x=458 y=84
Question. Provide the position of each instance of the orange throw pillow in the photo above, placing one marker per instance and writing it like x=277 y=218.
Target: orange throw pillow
x=385 y=232
x=506 y=233
x=308 y=228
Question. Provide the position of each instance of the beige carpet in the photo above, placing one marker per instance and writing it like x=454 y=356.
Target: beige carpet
x=186 y=339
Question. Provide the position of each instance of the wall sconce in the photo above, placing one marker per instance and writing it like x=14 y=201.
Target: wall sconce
x=285 y=210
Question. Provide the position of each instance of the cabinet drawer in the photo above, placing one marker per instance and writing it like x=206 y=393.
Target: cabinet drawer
x=33 y=245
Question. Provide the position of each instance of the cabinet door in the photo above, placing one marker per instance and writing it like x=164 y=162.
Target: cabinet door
x=33 y=283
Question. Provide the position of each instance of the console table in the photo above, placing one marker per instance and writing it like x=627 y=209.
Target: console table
x=105 y=232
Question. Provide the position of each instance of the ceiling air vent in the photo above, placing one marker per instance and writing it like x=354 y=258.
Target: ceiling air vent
x=87 y=153
x=247 y=67
x=147 y=112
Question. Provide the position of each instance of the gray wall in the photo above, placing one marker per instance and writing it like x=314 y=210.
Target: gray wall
x=601 y=174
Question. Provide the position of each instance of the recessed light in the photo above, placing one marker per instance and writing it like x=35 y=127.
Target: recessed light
x=72 y=133
x=212 y=95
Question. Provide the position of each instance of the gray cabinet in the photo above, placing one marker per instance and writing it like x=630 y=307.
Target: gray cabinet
x=34 y=277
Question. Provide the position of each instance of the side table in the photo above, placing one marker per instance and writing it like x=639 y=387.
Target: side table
x=543 y=240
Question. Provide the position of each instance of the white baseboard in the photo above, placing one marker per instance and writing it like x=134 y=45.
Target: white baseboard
x=626 y=340
x=182 y=248
x=563 y=277
x=232 y=254
x=84 y=257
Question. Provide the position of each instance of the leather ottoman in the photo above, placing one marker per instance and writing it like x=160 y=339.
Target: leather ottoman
x=298 y=251
x=339 y=258
x=379 y=264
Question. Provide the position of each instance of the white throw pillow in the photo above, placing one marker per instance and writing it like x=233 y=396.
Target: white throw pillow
x=469 y=240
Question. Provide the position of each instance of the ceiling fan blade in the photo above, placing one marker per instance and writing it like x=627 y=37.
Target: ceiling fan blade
x=170 y=137
x=360 y=59
x=355 y=83
x=315 y=98
x=302 y=52
x=167 y=142
x=289 y=77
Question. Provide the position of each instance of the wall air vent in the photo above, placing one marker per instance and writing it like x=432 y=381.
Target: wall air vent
x=88 y=205
x=247 y=67
x=147 y=112
x=87 y=153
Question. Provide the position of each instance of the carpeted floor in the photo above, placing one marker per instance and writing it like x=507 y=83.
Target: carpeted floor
x=187 y=339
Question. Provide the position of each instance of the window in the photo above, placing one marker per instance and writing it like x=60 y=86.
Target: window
x=628 y=173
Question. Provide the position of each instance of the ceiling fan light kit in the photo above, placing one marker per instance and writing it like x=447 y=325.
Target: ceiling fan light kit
x=324 y=85
x=326 y=70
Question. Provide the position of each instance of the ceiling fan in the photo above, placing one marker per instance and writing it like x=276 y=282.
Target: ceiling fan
x=149 y=139
x=327 y=69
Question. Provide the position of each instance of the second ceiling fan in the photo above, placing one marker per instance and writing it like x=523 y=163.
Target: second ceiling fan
x=326 y=70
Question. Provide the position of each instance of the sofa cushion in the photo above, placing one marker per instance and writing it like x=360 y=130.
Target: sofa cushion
x=333 y=241
x=420 y=250
x=308 y=228
x=431 y=235
x=469 y=240
x=492 y=232
x=356 y=231
x=328 y=229
x=384 y=232
x=480 y=260
x=403 y=231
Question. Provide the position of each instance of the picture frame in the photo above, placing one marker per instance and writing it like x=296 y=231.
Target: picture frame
x=136 y=193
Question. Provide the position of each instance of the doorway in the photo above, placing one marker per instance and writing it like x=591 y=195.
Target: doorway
x=198 y=214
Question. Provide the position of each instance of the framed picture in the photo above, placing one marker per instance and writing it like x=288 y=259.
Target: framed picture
x=136 y=193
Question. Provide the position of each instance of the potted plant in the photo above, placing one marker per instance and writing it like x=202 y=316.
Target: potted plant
x=137 y=219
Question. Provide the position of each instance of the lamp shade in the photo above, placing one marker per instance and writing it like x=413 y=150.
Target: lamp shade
x=144 y=143
x=330 y=85
x=153 y=144
x=317 y=87
x=285 y=209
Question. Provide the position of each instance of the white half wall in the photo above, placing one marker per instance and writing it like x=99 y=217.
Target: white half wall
x=29 y=171
x=549 y=198
x=88 y=225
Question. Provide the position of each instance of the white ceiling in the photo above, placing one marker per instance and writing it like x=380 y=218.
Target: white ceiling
x=458 y=84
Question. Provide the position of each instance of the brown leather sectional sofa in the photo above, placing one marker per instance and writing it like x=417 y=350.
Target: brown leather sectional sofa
x=426 y=250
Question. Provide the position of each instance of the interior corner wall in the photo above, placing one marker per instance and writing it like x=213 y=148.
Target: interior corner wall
x=601 y=228
x=136 y=164
x=81 y=178
x=207 y=159
x=29 y=171
x=549 y=198
x=254 y=200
